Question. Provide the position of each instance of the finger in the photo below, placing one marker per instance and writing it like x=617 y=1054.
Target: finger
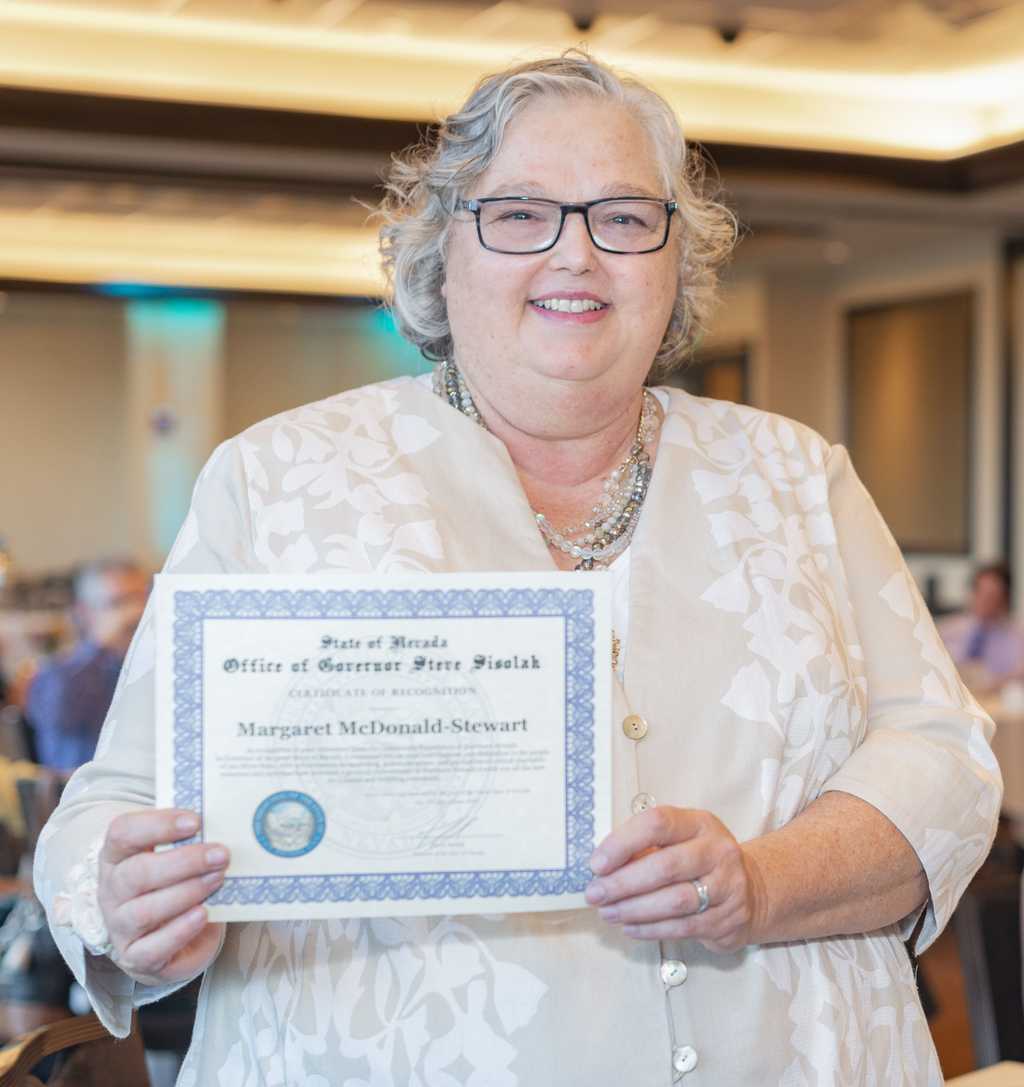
x=191 y=960
x=658 y=826
x=667 y=904
x=134 y=919
x=195 y=956
x=151 y=953
x=145 y=872
x=710 y=925
x=135 y=831
x=660 y=868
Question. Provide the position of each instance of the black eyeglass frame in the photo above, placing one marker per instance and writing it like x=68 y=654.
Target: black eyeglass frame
x=476 y=206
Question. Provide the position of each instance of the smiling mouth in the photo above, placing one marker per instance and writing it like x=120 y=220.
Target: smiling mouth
x=568 y=305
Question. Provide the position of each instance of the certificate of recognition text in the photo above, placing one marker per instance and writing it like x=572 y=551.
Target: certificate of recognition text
x=386 y=746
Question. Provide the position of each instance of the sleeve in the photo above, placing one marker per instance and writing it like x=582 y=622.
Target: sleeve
x=925 y=761
x=216 y=537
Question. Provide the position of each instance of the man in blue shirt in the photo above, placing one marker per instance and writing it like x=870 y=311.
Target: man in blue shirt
x=985 y=641
x=69 y=697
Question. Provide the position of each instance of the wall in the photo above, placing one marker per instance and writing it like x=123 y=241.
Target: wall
x=62 y=429
x=86 y=469
x=738 y=322
x=793 y=320
x=972 y=261
x=1017 y=433
x=278 y=355
x=802 y=347
x=64 y=422
x=784 y=320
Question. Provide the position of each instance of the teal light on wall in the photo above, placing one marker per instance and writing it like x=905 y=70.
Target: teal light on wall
x=397 y=356
x=177 y=315
x=137 y=290
x=175 y=351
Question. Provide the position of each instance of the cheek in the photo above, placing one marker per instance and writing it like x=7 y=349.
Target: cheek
x=481 y=290
x=459 y=287
x=653 y=289
x=666 y=284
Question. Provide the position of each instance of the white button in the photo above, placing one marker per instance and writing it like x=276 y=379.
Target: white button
x=641 y=802
x=684 y=1059
x=635 y=727
x=673 y=972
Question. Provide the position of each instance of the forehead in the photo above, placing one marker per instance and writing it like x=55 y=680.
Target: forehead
x=574 y=147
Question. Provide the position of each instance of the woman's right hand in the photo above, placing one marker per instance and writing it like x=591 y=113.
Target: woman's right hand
x=152 y=902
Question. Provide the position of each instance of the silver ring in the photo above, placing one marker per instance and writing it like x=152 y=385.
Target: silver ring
x=703 y=899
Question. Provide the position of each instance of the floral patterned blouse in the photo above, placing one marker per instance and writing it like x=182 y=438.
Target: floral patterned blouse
x=777 y=649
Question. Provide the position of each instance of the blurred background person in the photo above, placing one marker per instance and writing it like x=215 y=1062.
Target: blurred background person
x=70 y=695
x=984 y=640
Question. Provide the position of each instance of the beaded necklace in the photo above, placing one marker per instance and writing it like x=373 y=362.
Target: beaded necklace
x=607 y=531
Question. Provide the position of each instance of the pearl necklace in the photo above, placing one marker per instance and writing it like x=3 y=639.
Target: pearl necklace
x=607 y=532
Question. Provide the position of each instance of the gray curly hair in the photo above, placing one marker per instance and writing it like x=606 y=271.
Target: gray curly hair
x=427 y=180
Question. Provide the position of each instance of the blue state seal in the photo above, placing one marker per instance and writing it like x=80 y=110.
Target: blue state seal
x=289 y=824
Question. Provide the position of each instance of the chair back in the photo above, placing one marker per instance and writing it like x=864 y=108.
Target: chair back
x=987 y=923
x=100 y=1060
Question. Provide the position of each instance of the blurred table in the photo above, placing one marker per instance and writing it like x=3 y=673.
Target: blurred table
x=1006 y=1074
x=1008 y=747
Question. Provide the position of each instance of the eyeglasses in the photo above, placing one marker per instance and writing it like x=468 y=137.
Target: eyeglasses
x=525 y=224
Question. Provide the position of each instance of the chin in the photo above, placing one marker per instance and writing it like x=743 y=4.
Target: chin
x=561 y=368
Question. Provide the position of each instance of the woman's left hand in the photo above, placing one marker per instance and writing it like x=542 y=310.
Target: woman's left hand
x=646 y=871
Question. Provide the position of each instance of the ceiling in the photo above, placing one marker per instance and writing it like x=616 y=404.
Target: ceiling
x=119 y=191
x=232 y=144
x=923 y=79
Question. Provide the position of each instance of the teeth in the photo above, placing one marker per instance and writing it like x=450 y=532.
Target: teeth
x=569 y=305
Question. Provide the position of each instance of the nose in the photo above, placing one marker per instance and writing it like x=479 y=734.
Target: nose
x=574 y=251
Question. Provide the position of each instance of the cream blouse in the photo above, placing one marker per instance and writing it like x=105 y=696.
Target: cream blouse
x=777 y=649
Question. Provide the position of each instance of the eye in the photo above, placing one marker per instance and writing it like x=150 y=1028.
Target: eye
x=627 y=218
x=517 y=216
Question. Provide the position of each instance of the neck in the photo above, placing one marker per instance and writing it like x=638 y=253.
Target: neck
x=592 y=481
x=555 y=454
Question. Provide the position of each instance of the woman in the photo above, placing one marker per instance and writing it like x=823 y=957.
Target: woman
x=779 y=682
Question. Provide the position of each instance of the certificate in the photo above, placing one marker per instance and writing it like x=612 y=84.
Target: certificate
x=388 y=746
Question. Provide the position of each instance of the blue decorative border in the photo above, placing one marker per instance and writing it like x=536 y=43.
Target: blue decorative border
x=574 y=606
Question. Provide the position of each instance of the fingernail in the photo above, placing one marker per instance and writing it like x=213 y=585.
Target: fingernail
x=598 y=863
x=595 y=893
x=216 y=855
x=195 y=916
x=609 y=913
x=187 y=822
x=212 y=878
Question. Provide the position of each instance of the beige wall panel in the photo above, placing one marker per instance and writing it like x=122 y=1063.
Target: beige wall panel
x=61 y=430
x=909 y=386
x=801 y=374
x=280 y=355
x=1017 y=435
x=738 y=323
